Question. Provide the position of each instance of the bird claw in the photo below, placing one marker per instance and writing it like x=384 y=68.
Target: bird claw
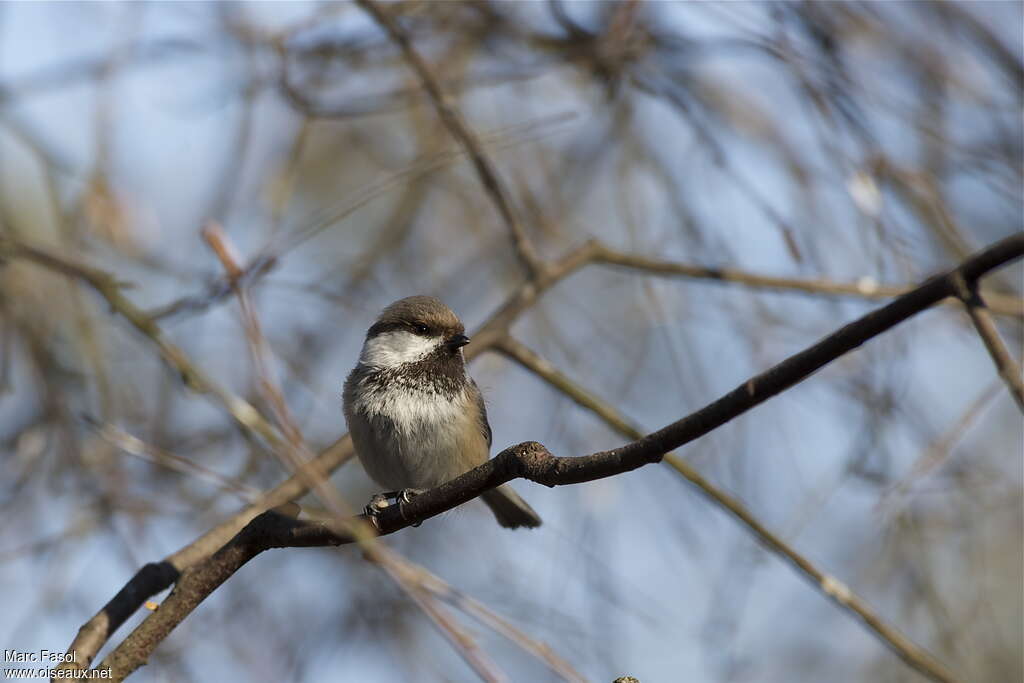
x=406 y=495
x=377 y=503
x=380 y=501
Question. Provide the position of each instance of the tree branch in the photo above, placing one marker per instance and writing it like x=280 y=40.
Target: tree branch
x=1002 y=304
x=532 y=461
x=833 y=589
x=1008 y=369
x=244 y=413
x=749 y=394
x=454 y=122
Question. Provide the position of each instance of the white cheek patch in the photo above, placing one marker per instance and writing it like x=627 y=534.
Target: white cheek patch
x=391 y=349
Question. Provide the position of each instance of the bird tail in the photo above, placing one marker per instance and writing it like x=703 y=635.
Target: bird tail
x=509 y=509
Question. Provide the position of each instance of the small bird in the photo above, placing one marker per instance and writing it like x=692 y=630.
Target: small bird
x=417 y=419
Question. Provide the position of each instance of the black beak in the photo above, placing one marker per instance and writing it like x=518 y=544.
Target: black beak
x=456 y=342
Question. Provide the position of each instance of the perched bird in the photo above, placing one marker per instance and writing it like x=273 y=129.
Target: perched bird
x=417 y=419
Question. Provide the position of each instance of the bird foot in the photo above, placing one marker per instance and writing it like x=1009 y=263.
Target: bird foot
x=380 y=501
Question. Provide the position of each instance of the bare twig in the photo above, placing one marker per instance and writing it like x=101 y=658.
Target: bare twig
x=274 y=530
x=461 y=641
x=486 y=616
x=269 y=530
x=110 y=289
x=221 y=288
x=938 y=451
x=294 y=452
x=156 y=577
x=986 y=328
x=453 y=120
x=864 y=289
x=135 y=446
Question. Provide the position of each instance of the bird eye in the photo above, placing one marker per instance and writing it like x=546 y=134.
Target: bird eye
x=420 y=328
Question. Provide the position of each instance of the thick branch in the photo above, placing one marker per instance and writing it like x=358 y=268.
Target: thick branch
x=146 y=583
x=274 y=530
x=269 y=530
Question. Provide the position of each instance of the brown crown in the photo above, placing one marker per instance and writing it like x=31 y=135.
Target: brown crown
x=414 y=311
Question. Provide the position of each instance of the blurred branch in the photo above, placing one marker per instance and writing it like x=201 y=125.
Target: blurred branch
x=1006 y=58
x=155 y=577
x=110 y=289
x=72 y=72
x=293 y=451
x=986 y=328
x=938 y=451
x=461 y=641
x=221 y=288
x=532 y=461
x=276 y=529
x=133 y=445
x=266 y=531
x=864 y=289
x=453 y=120
x=486 y=616
x=269 y=530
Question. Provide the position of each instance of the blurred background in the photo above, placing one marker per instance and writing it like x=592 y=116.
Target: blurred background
x=865 y=144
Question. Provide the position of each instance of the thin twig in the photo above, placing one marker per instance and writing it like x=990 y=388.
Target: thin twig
x=267 y=260
x=453 y=120
x=489 y=618
x=293 y=451
x=461 y=641
x=133 y=445
x=268 y=530
x=865 y=288
x=110 y=289
x=939 y=450
x=986 y=329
